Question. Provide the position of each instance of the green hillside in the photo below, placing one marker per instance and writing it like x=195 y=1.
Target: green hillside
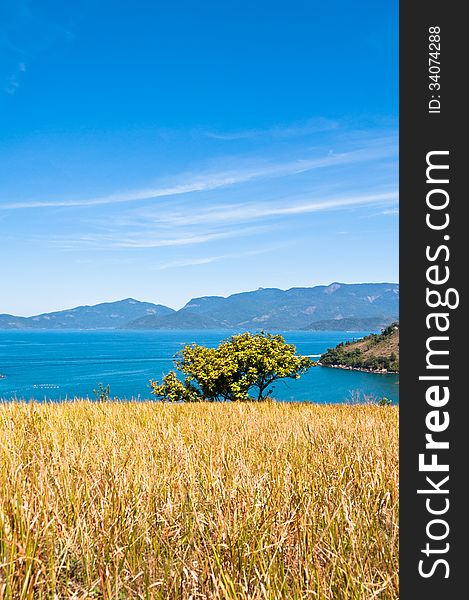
x=375 y=352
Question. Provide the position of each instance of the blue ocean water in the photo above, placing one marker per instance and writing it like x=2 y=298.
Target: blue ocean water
x=63 y=364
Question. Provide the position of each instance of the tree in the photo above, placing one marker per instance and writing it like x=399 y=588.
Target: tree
x=241 y=364
x=172 y=389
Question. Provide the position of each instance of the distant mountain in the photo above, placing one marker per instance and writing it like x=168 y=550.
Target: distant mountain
x=275 y=309
x=108 y=315
x=338 y=306
x=11 y=322
x=351 y=324
x=177 y=320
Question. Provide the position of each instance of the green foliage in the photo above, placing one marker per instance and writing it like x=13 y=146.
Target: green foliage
x=384 y=402
x=389 y=329
x=354 y=359
x=102 y=393
x=347 y=356
x=243 y=367
x=172 y=389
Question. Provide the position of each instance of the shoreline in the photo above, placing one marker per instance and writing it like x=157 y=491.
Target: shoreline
x=362 y=369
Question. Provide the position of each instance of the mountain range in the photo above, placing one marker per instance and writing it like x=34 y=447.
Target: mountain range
x=108 y=315
x=336 y=306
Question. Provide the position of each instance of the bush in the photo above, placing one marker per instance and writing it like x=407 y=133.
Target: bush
x=384 y=402
x=102 y=393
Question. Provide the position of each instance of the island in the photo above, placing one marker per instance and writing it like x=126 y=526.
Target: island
x=375 y=353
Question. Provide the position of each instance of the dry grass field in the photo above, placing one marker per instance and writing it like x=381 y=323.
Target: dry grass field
x=149 y=500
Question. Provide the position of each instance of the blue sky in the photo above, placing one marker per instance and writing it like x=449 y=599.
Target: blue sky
x=171 y=149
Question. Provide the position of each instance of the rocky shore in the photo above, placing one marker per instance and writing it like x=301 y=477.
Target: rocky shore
x=363 y=369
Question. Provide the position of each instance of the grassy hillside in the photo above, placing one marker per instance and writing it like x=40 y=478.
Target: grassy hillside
x=375 y=352
x=247 y=500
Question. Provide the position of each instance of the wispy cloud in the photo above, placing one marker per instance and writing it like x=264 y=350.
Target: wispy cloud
x=280 y=131
x=25 y=34
x=155 y=242
x=214 y=180
x=13 y=81
x=196 y=226
x=146 y=239
x=238 y=213
x=12 y=85
x=189 y=262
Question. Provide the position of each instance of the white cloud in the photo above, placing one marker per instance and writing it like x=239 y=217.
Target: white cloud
x=221 y=222
x=215 y=180
x=146 y=239
x=13 y=81
x=189 y=262
x=281 y=131
x=12 y=85
x=237 y=213
x=138 y=242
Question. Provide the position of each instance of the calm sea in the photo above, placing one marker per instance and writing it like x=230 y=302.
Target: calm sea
x=63 y=364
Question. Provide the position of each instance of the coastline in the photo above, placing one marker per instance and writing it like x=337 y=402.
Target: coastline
x=362 y=369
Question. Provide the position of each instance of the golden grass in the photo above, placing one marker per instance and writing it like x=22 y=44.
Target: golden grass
x=144 y=500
